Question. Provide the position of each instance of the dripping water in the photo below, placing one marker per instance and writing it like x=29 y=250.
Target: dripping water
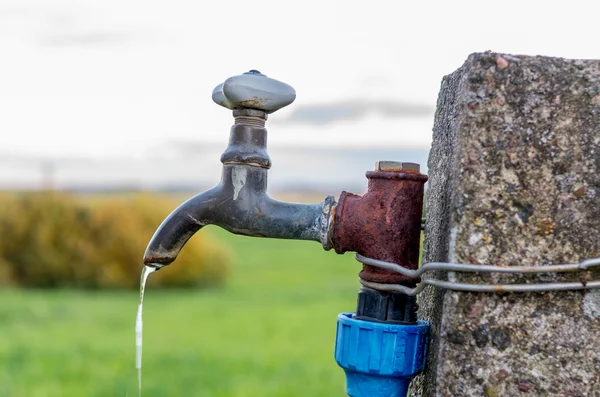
x=139 y=325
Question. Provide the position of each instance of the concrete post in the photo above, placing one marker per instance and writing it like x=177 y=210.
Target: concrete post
x=514 y=180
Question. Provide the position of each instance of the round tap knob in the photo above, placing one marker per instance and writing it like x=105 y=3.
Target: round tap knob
x=253 y=90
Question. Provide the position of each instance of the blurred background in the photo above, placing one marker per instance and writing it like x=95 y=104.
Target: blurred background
x=107 y=124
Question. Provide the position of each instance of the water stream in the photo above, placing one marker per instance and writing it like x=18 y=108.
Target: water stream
x=139 y=326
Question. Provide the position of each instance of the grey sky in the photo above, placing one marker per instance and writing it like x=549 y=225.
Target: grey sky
x=120 y=77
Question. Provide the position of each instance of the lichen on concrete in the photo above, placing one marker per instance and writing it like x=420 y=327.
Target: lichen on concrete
x=591 y=304
x=514 y=180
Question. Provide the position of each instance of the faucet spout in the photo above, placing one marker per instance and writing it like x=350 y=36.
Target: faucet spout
x=240 y=206
x=177 y=228
x=240 y=202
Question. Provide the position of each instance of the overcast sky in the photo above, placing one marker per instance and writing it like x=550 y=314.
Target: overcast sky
x=119 y=77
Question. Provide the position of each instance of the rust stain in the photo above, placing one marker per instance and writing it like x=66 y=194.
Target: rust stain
x=162 y=256
x=254 y=103
x=579 y=192
x=546 y=226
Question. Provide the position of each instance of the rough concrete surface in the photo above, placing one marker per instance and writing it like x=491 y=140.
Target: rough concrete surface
x=514 y=180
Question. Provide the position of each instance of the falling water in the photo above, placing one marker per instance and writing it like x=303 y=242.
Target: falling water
x=139 y=325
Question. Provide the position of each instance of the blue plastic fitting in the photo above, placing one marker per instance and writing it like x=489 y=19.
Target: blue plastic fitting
x=380 y=359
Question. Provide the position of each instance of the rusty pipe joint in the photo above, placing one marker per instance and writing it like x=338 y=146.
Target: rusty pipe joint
x=385 y=223
x=240 y=202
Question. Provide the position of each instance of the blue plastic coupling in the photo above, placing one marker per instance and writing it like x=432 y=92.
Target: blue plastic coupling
x=380 y=359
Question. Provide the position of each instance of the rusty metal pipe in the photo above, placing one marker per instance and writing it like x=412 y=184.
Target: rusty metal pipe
x=385 y=222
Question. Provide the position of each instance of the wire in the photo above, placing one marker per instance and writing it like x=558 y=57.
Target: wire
x=462 y=267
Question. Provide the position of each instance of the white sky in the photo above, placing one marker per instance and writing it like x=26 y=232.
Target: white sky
x=118 y=77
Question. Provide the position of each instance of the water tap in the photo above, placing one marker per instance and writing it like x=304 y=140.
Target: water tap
x=384 y=224
x=240 y=202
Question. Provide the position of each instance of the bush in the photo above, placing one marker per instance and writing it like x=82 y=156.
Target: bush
x=56 y=240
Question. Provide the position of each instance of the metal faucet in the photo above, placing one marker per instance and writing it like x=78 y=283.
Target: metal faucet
x=384 y=224
x=240 y=202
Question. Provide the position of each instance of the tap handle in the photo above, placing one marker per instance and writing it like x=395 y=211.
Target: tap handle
x=253 y=90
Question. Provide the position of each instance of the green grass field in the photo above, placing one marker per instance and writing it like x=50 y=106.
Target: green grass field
x=269 y=332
